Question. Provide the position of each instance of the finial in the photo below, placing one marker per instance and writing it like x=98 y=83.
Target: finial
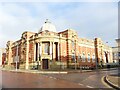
x=47 y=21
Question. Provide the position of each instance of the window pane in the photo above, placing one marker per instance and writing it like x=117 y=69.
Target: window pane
x=73 y=57
x=46 y=48
x=88 y=57
x=83 y=57
x=93 y=58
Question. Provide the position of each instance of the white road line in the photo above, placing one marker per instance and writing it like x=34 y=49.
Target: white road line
x=80 y=84
x=50 y=77
x=89 y=86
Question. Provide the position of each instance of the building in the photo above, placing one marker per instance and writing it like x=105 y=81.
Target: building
x=116 y=51
x=49 y=49
x=2 y=56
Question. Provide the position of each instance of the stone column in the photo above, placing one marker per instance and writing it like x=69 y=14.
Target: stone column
x=17 y=56
x=58 y=52
x=27 y=52
x=51 y=49
x=108 y=56
x=40 y=49
x=53 y=52
x=38 y=52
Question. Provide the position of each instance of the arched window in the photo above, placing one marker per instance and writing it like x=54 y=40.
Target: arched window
x=88 y=57
x=73 y=57
x=73 y=44
x=46 y=48
x=93 y=58
x=83 y=57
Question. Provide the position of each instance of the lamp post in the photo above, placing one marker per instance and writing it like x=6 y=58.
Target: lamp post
x=79 y=58
x=16 y=57
x=75 y=63
x=101 y=62
x=75 y=60
x=75 y=56
x=96 y=63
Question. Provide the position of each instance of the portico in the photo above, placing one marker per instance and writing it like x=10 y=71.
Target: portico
x=46 y=52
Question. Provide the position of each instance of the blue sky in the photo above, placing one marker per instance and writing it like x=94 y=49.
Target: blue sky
x=89 y=19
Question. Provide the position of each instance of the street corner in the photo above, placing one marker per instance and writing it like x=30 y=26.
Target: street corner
x=112 y=81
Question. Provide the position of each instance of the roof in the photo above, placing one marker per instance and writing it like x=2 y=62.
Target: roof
x=48 y=26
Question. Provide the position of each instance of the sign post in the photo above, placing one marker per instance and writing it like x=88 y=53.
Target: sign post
x=17 y=57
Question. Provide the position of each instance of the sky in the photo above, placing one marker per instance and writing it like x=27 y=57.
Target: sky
x=90 y=19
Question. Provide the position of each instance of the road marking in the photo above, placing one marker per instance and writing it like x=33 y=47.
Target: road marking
x=89 y=86
x=102 y=80
x=50 y=77
x=80 y=84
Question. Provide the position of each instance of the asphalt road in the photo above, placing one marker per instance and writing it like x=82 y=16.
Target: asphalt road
x=30 y=80
x=86 y=79
x=71 y=80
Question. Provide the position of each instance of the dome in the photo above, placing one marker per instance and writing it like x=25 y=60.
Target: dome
x=48 y=26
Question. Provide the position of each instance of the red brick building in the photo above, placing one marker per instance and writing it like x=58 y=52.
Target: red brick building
x=2 y=56
x=50 y=49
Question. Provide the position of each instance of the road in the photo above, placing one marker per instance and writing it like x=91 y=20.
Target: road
x=71 y=80
x=86 y=79
x=30 y=80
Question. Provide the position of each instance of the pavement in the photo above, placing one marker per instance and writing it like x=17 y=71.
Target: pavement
x=113 y=81
x=54 y=71
x=46 y=71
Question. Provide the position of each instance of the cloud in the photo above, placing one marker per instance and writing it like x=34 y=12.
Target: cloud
x=59 y=0
x=88 y=19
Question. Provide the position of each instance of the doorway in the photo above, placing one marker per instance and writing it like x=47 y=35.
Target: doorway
x=44 y=63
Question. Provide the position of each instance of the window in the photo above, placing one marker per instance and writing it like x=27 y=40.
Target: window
x=88 y=57
x=73 y=44
x=46 y=48
x=83 y=57
x=115 y=55
x=93 y=58
x=73 y=57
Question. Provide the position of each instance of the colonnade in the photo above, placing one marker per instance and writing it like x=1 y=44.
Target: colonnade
x=38 y=51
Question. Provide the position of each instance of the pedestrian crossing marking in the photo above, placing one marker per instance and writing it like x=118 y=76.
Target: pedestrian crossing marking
x=89 y=86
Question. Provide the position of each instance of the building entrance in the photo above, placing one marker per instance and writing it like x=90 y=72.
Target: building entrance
x=44 y=63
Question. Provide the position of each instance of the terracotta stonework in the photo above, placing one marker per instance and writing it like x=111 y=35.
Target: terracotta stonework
x=48 y=49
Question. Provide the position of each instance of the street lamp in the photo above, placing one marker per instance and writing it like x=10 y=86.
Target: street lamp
x=96 y=63
x=79 y=58
x=75 y=58
x=16 y=57
x=101 y=61
x=74 y=42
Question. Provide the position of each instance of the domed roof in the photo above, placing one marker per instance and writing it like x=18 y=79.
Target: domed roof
x=48 y=26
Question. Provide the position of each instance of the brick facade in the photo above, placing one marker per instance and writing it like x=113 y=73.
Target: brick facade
x=62 y=48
